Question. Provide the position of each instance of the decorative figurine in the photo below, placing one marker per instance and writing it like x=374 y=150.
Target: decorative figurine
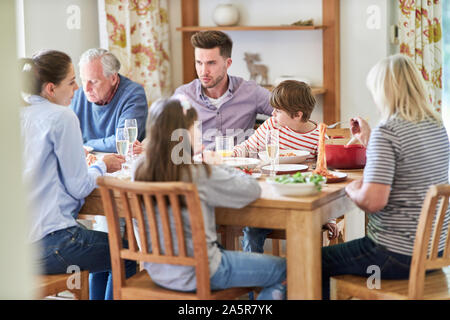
x=258 y=72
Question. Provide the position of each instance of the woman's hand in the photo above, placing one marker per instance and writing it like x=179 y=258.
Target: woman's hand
x=138 y=147
x=353 y=187
x=360 y=129
x=90 y=159
x=211 y=157
x=369 y=197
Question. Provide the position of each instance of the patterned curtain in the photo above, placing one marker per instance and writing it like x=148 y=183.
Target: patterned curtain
x=420 y=35
x=138 y=34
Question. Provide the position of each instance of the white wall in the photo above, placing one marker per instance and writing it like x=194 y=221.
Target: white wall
x=362 y=46
x=16 y=280
x=300 y=52
x=67 y=25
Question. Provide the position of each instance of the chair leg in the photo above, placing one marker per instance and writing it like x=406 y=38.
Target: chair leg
x=336 y=293
x=276 y=247
x=83 y=292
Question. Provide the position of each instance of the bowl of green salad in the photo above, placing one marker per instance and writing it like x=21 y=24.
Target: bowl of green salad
x=298 y=184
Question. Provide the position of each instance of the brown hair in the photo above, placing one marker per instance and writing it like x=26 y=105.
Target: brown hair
x=211 y=40
x=165 y=117
x=43 y=67
x=293 y=96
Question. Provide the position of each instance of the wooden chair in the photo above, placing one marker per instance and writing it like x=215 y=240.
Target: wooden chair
x=127 y=199
x=53 y=284
x=435 y=285
x=339 y=132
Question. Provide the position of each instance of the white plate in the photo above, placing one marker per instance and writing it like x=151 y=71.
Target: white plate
x=88 y=148
x=292 y=189
x=286 y=168
x=241 y=162
x=300 y=156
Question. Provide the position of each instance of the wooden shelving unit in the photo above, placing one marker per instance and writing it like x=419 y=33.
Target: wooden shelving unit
x=249 y=28
x=315 y=90
x=331 y=49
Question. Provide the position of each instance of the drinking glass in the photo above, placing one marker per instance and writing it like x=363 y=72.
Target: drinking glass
x=131 y=127
x=272 y=148
x=122 y=142
x=224 y=146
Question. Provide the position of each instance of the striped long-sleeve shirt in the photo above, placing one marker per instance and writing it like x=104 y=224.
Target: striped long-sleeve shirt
x=410 y=157
x=288 y=140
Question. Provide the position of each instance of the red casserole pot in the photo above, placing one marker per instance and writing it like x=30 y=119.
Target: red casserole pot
x=352 y=156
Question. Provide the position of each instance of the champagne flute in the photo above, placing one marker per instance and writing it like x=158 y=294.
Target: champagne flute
x=272 y=148
x=131 y=127
x=122 y=142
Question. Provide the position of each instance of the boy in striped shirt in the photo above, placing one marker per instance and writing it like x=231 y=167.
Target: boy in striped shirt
x=293 y=104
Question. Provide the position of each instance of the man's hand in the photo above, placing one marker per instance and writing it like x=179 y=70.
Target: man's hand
x=138 y=147
x=113 y=162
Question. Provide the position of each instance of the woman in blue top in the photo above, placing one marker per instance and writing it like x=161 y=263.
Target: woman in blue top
x=406 y=153
x=170 y=129
x=56 y=173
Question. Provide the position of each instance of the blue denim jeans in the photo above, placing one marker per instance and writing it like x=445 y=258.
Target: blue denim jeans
x=87 y=249
x=355 y=257
x=244 y=269
x=254 y=238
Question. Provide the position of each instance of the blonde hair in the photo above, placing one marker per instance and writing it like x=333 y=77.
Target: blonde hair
x=398 y=90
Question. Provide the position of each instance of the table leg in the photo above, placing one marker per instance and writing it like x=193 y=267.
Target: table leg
x=303 y=253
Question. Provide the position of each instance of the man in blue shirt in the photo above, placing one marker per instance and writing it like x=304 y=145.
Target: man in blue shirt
x=106 y=100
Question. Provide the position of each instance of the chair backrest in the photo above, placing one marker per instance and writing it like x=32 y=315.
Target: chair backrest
x=126 y=199
x=339 y=132
x=429 y=231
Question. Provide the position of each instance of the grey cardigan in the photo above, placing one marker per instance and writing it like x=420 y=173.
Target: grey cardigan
x=225 y=187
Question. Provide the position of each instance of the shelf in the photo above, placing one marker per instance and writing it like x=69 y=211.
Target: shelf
x=329 y=29
x=249 y=28
x=314 y=90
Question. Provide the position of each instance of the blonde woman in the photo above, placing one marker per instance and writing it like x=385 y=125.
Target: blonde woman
x=407 y=152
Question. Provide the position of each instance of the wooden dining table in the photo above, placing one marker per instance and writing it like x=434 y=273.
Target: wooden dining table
x=301 y=218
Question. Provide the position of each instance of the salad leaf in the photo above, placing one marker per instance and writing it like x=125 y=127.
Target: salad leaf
x=301 y=178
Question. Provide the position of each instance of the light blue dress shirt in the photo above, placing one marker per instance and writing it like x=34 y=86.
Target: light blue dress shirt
x=55 y=170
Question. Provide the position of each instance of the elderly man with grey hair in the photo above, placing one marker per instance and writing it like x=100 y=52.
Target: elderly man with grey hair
x=106 y=100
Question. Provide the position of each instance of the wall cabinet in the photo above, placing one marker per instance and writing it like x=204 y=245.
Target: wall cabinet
x=331 y=57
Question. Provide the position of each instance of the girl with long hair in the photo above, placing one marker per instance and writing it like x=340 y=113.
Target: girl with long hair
x=168 y=157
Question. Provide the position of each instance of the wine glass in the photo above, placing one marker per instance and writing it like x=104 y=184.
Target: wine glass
x=122 y=142
x=272 y=148
x=131 y=127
